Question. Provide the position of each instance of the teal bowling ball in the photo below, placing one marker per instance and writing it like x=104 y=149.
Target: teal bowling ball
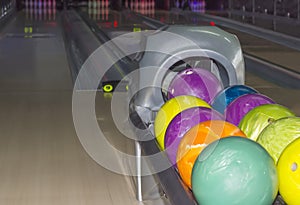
x=234 y=171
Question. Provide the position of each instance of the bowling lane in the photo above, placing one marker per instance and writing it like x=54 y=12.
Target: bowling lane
x=41 y=158
x=29 y=59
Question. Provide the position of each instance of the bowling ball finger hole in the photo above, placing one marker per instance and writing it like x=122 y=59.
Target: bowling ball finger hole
x=294 y=167
x=270 y=120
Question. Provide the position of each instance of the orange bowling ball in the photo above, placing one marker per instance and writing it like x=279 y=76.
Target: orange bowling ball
x=196 y=139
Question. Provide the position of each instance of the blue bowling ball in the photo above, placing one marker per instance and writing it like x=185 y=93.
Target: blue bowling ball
x=226 y=96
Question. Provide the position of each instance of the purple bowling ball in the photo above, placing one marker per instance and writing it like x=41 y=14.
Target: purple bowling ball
x=183 y=122
x=196 y=82
x=238 y=108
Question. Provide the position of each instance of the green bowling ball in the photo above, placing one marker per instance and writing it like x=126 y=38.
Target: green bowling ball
x=258 y=118
x=279 y=134
x=234 y=171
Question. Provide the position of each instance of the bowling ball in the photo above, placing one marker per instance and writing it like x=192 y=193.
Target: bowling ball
x=238 y=108
x=169 y=110
x=226 y=96
x=258 y=118
x=279 y=134
x=196 y=139
x=184 y=121
x=288 y=169
x=196 y=82
x=234 y=171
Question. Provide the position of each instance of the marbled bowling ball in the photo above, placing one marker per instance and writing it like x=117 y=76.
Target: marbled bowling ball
x=196 y=139
x=238 y=108
x=196 y=82
x=234 y=171
x=226 y=96
x=182 y=123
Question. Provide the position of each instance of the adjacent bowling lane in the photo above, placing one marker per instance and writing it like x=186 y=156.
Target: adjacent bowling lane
x=266 y=50
x=286 y=96
x=41 y=158
x=281 y=24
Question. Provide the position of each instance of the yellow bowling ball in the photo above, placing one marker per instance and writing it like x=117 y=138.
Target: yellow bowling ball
x=169 y=110
x=288 y=169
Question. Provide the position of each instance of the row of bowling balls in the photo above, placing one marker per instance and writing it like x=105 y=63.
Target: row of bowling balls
x=233 y=143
